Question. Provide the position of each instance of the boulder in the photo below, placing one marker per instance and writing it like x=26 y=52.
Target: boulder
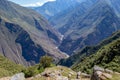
x=84 y=75
x=101 y=74
x=19 y=76
x=37 y=76
x=46 y=74
x=98 y=73
x=61 y=78
x=78 y=75
x=97 y=68
x=108 y=71
x=53 y=75
x=71 y=73
x=106 y=75
x=117 y=73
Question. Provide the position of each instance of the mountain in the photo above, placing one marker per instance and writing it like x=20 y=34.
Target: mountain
x=76 y=19
x=64 y=19
x=79 y=56
x=50 y=9
x=105 y=54
x=25 y=35
x=96 y=24
x=115 y=5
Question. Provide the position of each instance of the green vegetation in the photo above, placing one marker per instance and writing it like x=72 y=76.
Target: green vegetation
x=8 y=68
x=108 y=57
x=32 y=71
x=115 y=77
x=87 y=51
x=45 y=62
x=104 y=54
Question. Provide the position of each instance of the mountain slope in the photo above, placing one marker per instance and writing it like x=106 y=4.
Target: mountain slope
x=50 y=9
x=77 y=57
x=25 y=35
x=97 y=24
x=108 y=57
x=115 y=5
x=63 y=20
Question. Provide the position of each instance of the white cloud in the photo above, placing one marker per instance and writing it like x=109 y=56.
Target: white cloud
x=40 y=3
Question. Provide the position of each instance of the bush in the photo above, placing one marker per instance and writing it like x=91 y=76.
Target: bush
x=46 y=61
x=30 y=71
x=40 y=68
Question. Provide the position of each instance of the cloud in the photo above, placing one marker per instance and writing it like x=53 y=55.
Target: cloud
x=40 y=3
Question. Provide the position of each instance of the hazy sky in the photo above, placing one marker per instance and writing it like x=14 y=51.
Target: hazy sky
x=31 y=2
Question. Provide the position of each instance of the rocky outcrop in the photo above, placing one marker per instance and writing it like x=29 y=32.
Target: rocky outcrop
x=62 y=73
x=101 y=74
x=19 y=76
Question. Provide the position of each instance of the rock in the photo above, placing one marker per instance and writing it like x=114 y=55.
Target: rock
x=101 y=74
x=102 y=78
x=51 y=73
x=108 y=71
x=78 y=75
x=84 y=75
x=71 y=73
x=19 y=76
x=31 y=78
x=37 y=76
x=58 y=73
x=46 y=74
x=98 y=73
x=107 y=76
x=61 y=78
x=97 y=68
x=117 y=73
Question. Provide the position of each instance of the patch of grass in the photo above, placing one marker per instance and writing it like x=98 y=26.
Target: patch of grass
x=115 y=77
x=4 y=73
x=8 y=68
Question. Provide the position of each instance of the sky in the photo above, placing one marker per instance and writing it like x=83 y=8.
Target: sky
x=32 y=3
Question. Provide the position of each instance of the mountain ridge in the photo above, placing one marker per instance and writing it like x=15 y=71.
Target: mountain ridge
x=87 y=31
x=50 y=9
x=26 y=34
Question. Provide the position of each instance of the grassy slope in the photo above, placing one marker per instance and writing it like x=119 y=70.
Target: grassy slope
x=8 y=68
x=108 y=57
x=115 y=77
x=79 y=56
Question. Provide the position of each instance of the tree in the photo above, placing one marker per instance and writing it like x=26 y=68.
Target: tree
x=46 y=61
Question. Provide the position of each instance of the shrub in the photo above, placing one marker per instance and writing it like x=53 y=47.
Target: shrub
x=46 y=61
